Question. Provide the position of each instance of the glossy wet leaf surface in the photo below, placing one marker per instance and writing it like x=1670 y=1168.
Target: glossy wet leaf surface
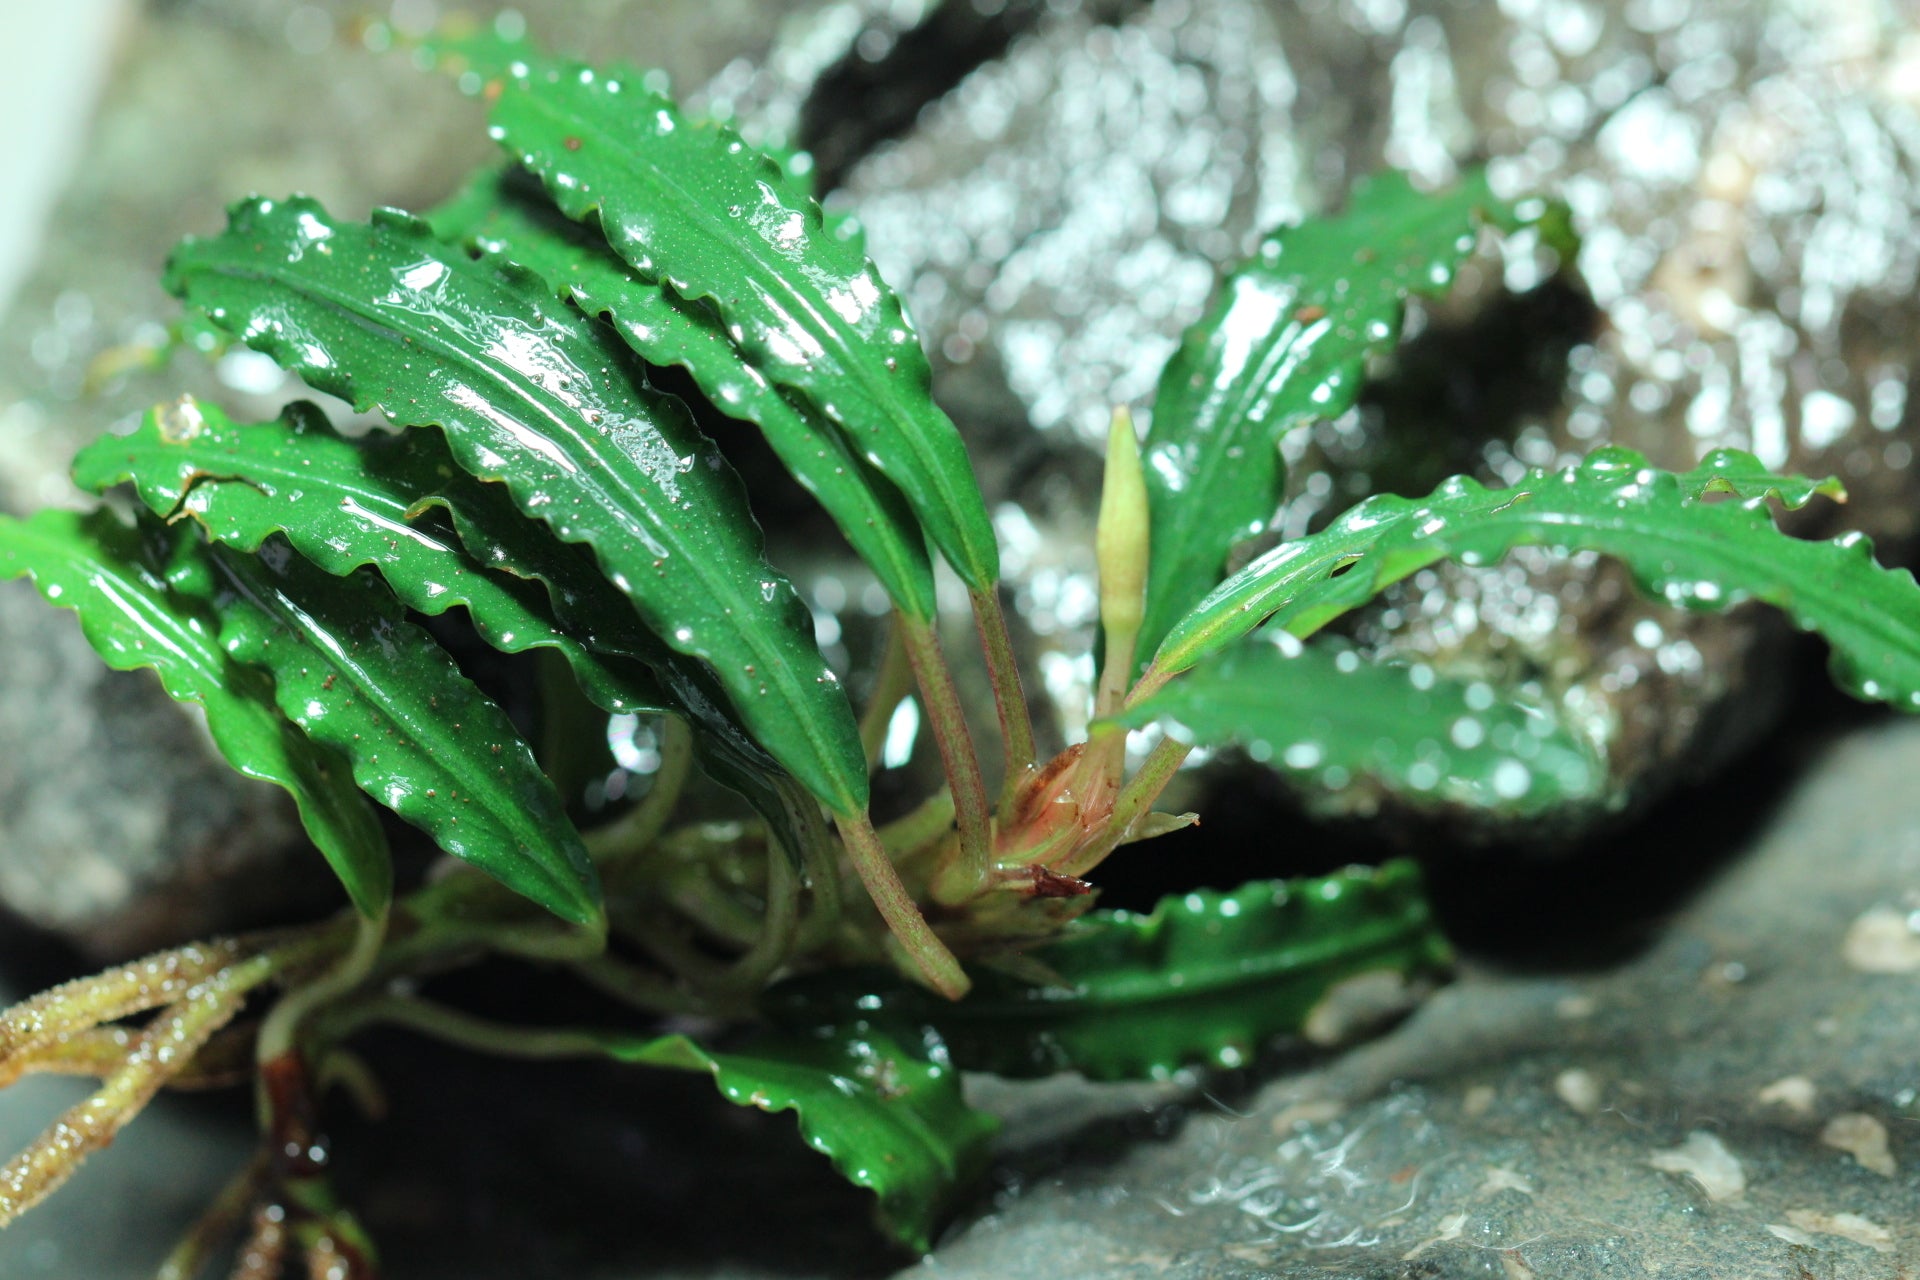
x=1327 y=716
x=115 y=578
x=344 y=504
x=538 y=396
x=692 y=207
x=1283 y=345
x=888 y=1113
x=423 y=740
x=1703 y=539
x=1204 y=978
x=500 y=216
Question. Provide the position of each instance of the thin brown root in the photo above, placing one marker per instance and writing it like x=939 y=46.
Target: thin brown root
x=219 y=1223
x=226 y=1060
x=166 y=1048
x=264 y=1256
x=158 y=980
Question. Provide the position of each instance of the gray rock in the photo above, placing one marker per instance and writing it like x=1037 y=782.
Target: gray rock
x=1746 y=178
x=1572 y=1126
x=1515 y=1125
x=124 y=830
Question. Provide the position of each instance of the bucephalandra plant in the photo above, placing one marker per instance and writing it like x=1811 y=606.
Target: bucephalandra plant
x=275 y=573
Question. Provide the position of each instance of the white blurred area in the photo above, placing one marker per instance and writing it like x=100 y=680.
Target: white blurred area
x=55 y=54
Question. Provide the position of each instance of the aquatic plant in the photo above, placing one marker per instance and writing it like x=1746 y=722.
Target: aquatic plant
x=541 y=483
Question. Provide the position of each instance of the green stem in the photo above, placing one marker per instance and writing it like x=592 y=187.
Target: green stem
x=350 y=1073
x=916 y=937
x=910 y=834
x=543 y=940
x=819 y=856
x=750 y=972
x=892 y=682
x=1009 y=697
x=949 y=723
x=632 y=985
x=477 y=1034
x=1110 y=695
x=282 y=1024
x=636 y=831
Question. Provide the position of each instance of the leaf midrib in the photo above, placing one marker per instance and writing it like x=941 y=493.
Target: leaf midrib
x=452 y=760
x=772 y=661
x=723 y=235
x=1137 y=992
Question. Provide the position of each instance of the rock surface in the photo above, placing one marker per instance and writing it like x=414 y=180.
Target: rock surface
x=1715 y=1107
x=1745 y=177
x=1738 y=1099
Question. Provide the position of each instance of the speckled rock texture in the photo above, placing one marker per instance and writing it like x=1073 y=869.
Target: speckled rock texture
x=1745 y=176
x=1739 y=1100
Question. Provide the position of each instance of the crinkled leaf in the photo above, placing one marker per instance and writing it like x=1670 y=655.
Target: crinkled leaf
x=115 y=578
x=889 y=1114
x=1206 y=977
x=351 y=671
x=693 y=207
x=344 y=504
x=1328 y=715
x=1704 y=539
x=496 y=215
x=538 y=396
x=1285 y=344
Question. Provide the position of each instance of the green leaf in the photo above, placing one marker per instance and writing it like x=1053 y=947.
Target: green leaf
x=1206 y=977
x=891 y=1117
x=115 y=578
x=494 y=215
x=351 y=671
x=694 y=208
x=1702 y=540
x=1330 y=716
x=539 y=397
x=363 y=502
x=1284 y=345
x=344 y=504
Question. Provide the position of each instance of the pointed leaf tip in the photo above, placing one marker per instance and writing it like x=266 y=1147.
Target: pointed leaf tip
x=547 y=401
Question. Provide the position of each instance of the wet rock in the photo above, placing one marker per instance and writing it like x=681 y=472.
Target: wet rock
x=1447 y=1148
x=1746 y=178
x=121 y=828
